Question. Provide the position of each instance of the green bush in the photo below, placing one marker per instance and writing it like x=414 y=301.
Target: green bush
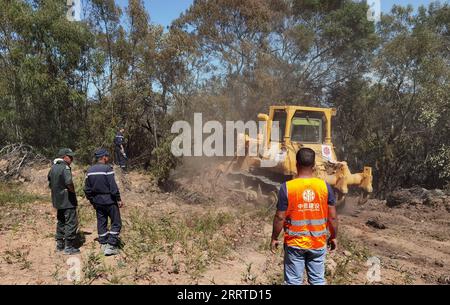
x=163 y=160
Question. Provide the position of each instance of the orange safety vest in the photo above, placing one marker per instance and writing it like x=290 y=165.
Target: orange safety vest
x=306 y=216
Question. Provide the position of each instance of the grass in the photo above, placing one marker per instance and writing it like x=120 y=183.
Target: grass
x=93 y=267
x=86 y=214
x=358 y=252
x=15 y=205
x=347 y=266
x=264 y=212
x=197 y=238
x=56 y=273
x=10 y=193
x=78 y=181
x=276 y=278
x=408 y=278
x=114 y=276
x=342 y=274
x=264 y=244
x=248 y=277
x=18 y=256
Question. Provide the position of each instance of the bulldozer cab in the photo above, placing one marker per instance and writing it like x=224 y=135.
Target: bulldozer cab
x=299 y=124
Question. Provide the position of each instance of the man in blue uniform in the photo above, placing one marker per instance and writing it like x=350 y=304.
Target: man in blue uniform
x=119 y=150
x=102 y=191
x=64 y=201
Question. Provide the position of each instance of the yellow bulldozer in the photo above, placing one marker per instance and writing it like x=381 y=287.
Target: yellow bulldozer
x=287 y=129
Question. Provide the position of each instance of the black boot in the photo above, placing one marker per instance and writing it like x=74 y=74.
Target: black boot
x=60 y=245
x=70 y=249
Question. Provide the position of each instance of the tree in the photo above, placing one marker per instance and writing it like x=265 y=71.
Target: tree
x=397 y=118
x=42 y=67
x=272 y=52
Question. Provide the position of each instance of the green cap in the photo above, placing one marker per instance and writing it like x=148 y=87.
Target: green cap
x=66 y=152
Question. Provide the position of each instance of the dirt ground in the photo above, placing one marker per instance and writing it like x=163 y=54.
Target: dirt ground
x=189 y=234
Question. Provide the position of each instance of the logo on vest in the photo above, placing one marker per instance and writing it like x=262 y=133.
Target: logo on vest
x=309 y=195
x=308 y=198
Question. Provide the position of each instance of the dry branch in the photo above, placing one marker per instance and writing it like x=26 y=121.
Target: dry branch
x=15 y=157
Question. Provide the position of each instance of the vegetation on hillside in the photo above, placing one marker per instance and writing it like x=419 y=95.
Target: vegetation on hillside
x=71 y=84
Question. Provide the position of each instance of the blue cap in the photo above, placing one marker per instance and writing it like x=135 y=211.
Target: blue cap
x=101 y=152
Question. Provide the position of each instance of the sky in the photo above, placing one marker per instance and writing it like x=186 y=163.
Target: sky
x=386 y=5
x=164 y=11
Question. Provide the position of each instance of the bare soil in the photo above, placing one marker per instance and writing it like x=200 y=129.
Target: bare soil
x=189 y=233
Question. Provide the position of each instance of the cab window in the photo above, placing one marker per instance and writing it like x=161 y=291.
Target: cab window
x=307 y=127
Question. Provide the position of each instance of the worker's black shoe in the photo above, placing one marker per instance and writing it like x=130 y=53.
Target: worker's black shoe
x=71 y=250
x=59 y=245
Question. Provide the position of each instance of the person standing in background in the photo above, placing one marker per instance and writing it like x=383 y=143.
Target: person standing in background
x=119 y=149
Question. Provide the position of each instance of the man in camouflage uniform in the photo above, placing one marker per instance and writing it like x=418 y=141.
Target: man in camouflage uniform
x=64 y=201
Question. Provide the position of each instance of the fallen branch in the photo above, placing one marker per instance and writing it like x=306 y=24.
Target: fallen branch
x=15 y=157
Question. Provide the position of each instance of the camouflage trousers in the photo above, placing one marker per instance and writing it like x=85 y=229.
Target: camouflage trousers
x=67 y=225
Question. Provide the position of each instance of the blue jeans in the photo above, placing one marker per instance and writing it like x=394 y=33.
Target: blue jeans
x=295 y=261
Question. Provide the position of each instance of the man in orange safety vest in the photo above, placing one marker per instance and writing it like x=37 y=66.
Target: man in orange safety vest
x=307 y=213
